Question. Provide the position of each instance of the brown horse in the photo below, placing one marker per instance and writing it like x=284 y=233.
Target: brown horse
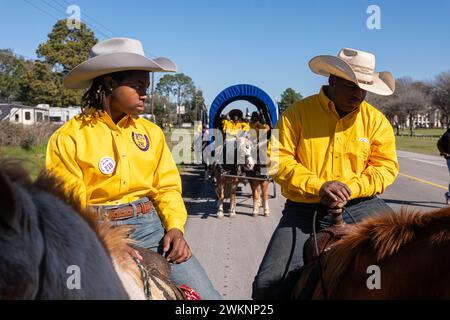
x=408 y=251
x=45 y=236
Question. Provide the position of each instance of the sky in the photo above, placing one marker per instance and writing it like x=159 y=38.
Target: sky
x=266 y=43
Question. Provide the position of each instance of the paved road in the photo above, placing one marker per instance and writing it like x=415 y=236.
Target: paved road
x=231 y=249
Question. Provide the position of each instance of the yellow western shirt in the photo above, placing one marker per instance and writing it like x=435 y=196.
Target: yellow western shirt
x=109 y=164
x=314 y=145
x=229 y=127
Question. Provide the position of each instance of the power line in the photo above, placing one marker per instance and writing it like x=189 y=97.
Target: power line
x=90 y=18
x=40 y=9
x=98 y=23
x=64 y=13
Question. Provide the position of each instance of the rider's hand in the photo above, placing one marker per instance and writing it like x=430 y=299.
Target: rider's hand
x=175 y=247
x=329 y=203
x=335 y=191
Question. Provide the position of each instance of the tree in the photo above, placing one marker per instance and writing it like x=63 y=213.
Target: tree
x=66 y=48
x=410 y=98
x=288 y=97
x=38 y=85
x=198 y=105
x=441 y=95
x=63 y=50
x=12 y=69
x=179 y=86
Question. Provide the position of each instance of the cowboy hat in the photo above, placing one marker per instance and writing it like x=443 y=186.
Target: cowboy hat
x=356 y=66
x=114 y=55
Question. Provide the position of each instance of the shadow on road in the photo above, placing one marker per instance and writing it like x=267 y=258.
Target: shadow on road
x=199 y=195
x=425 y=204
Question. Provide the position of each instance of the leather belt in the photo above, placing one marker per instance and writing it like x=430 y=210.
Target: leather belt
x=122 y=213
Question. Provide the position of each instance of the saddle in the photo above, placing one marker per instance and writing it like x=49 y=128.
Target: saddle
x=308 y=285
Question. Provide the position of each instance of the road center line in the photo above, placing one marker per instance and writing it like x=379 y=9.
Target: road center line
x=423 y=181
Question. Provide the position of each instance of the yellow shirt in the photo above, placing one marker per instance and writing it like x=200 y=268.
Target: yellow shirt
x=314 y=146
x=109 y=164
x=229 y=127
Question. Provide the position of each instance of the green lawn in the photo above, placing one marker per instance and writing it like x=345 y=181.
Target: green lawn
x=419 y=145
x=432 y=132
x=33 y=159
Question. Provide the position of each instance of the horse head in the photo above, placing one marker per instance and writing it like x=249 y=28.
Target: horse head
x=21 y=242
x=245 y=152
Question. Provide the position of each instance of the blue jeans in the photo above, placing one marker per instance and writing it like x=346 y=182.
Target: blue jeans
x=149 y=233
x=448 y=166
x=277 y=273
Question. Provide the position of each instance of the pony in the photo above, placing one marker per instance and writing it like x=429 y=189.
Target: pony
x=51 y=248
x=242 y=161
x=407 y=251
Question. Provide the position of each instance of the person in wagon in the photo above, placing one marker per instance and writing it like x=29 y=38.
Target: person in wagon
x=236 y=126
x=333 y=150
x=120 y=164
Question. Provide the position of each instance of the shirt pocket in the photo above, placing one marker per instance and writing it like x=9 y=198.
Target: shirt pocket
x=357 y=154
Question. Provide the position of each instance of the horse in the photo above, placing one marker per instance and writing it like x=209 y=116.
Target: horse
x=395 y=255
x=257 y=186
x=260 y=181
x=226 y=186
x=51 y=248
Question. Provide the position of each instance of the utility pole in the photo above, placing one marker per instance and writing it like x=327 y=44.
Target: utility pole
x=153 y=96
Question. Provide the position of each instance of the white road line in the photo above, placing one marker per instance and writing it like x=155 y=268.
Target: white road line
x=425 y=161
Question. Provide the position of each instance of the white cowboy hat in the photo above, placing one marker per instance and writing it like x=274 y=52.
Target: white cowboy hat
x=356 y=66
x=114 y=55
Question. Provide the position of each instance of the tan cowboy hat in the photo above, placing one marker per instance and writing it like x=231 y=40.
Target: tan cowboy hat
x=356 y=66
x=114 y=55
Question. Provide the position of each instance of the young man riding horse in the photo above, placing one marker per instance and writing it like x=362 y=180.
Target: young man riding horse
x=334 y=150
x=119 y=163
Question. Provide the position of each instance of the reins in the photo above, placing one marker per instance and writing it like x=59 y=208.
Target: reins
x=337 y=219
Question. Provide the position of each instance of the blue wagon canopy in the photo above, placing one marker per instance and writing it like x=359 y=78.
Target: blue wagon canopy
x=246 y=92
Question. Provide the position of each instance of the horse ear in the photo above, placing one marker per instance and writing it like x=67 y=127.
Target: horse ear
x=8 y=203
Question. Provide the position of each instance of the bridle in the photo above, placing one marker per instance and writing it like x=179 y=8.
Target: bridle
x=337 y=220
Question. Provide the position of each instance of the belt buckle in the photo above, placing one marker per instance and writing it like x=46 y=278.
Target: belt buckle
x=102 y=213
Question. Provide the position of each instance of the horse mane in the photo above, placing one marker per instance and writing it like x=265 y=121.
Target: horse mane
x=383 y=236
x=114 y=240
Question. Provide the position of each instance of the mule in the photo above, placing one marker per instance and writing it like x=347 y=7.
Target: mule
x=409 y=250
x=53 y=249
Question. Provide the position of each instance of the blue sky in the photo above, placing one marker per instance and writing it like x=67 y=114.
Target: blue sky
x=266 y=43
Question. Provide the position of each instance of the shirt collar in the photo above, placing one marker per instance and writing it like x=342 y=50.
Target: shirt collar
x=125 y=122
x=329 y=106
x=325 y=102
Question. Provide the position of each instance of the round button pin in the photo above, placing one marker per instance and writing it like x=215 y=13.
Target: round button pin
x=107 y=165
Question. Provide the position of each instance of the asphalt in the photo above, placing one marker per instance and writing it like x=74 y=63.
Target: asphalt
x=231 y=249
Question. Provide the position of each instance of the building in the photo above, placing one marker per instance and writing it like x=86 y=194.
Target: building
x=431 y=119
x=20 y=114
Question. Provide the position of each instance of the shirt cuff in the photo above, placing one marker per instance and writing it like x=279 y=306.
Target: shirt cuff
x=355 y=189
x=313 y=186
x=175 y=224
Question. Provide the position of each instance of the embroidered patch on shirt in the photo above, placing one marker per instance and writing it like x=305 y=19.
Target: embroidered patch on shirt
x=141 y=140
x=364 y=140
x=107 y=165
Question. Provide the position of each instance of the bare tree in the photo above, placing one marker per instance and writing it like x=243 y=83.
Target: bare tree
x=411 y=99
x=441 y=95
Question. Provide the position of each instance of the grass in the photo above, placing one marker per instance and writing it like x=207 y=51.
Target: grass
x=34 y=158
x=419 y=145
x=432 y=132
